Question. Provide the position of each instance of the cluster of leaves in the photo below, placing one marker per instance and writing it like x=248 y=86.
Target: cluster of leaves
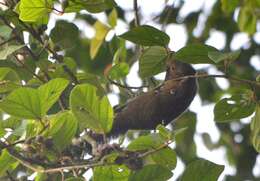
x=55 y=87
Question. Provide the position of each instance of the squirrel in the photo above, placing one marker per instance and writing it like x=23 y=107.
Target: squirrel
x=160 y=105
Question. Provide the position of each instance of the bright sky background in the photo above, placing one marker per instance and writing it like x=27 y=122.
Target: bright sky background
x=178 y=37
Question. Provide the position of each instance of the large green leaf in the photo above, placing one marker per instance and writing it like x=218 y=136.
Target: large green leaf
x=23 y=103
x=9 y=50
x=152 y=61
x=93 y=6
x=50 y=92
x=33 y=103
x=90 y=110
x=147 y=36
x=63 y=128
x=111 y=173
x=151 y=141
x=234 y=108
x=247 y=20
x=119 y=70
x=96 y=42
x=35 y=10
x=202 y=170
x=195 y=53
x=151 y=172
x=165 y=157
x=69 y=36
x=255 y=129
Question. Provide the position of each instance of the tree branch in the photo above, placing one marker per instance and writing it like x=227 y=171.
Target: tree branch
x=155 y=150
x=137 y=19
x=125 y=86
x=244 y=81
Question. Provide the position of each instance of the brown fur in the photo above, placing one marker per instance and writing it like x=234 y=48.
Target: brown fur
x=160 y=105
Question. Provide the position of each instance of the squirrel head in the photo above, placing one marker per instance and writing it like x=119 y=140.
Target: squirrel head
x=175 y=69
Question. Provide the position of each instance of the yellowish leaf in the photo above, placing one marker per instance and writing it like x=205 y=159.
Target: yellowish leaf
x=96 y=42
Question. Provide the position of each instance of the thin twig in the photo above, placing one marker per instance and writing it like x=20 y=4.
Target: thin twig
x=125 y=86
x=156 y=149
x=59 y=11
x=137 y=19
x=244 y=81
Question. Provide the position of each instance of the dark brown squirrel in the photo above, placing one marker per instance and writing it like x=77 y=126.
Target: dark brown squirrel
x=160 y=105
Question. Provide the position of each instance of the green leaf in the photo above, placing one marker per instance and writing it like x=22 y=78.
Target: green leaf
x=194 y=54
x=147 y=36
x=9 y=80
x=8 y=74
x=164 y=132
x=35 y=10
x=90 y=110
x=234 y=108
x=119 y=71
x=228 y=6
x=63 y=128
x=255 y=129
x=247 y=20
x=151 y=172
x=6 y=162
x=9 y=50
x=152 y=61
x=23 y=103
x=50 y=92
x=21 y=129
x=217 y=56
x=151 y=141
x=96 y=42
x=258 y=78
x=7 y=86
x=69 y=36
x=111 y=173
x=11 y=122
x=112 y=18
x=202 y=170
x=33 y=103
x=5 y=32
x=165 y=157
x=75 y=179
x=92 y=6
x=60 y=72
x=121 y=52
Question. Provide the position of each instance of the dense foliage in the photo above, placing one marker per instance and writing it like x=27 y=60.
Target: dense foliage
x=54 y=88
